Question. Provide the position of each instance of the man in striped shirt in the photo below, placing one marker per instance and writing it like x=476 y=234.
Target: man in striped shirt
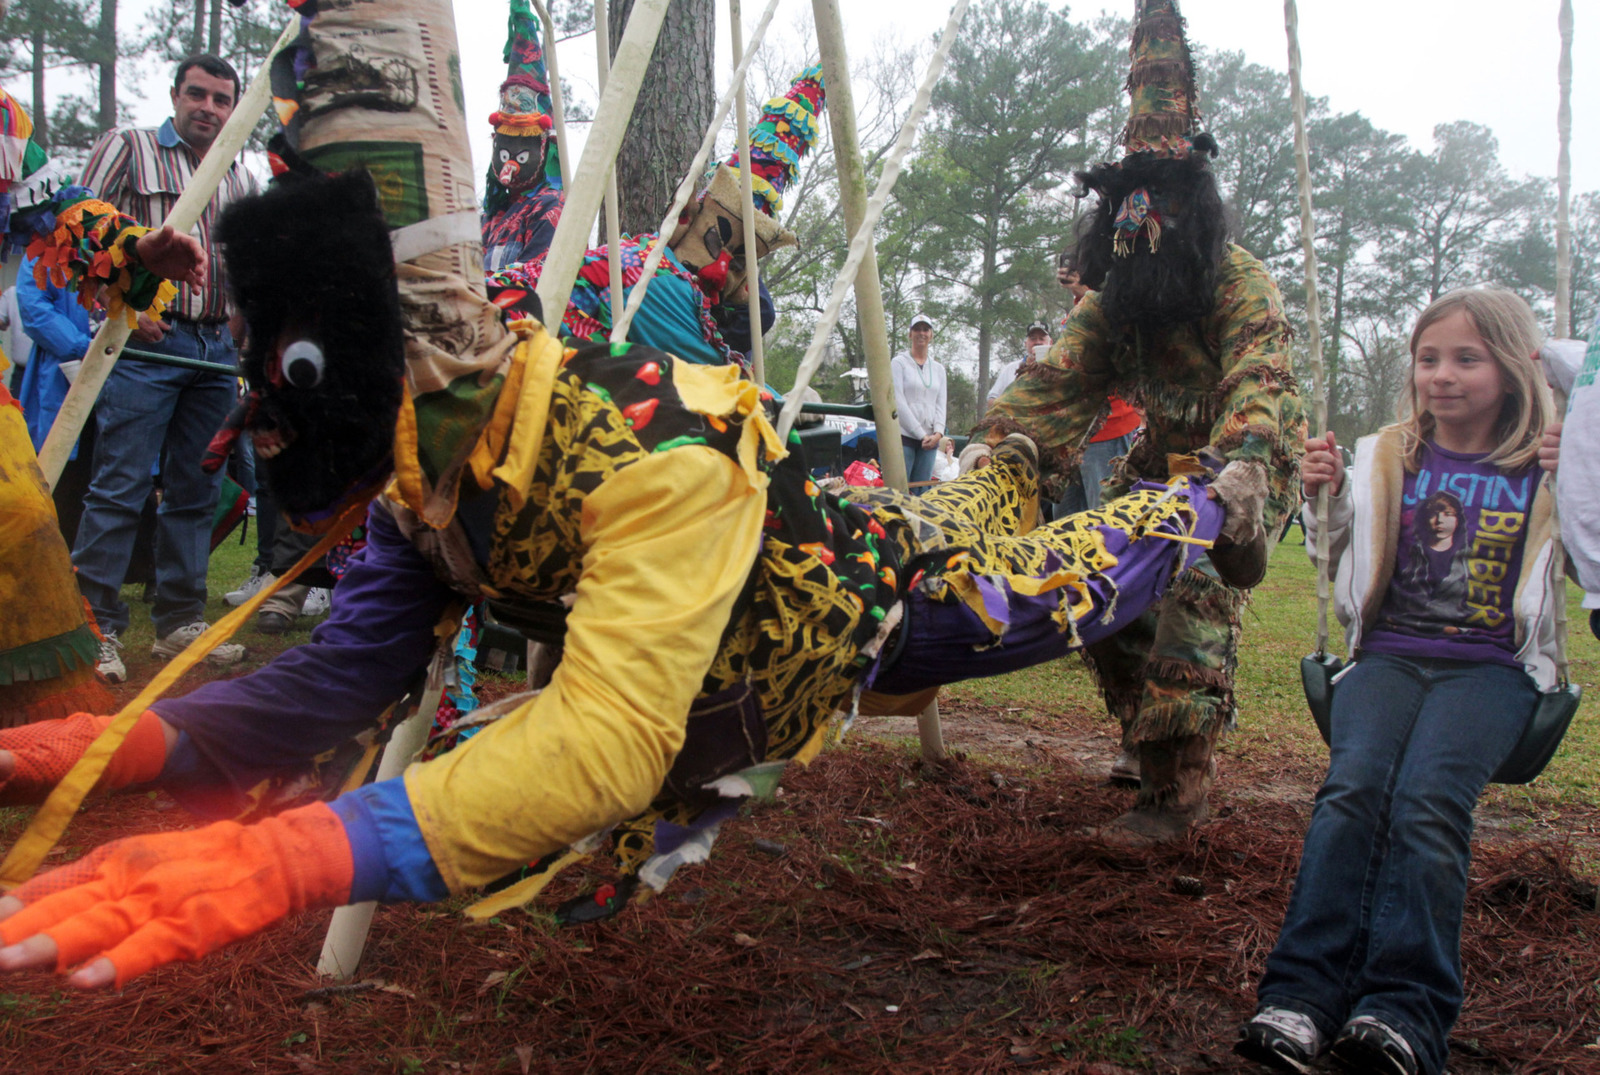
x=150 y=412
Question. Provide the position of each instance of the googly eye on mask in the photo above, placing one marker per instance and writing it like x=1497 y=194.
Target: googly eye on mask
x=303 y=364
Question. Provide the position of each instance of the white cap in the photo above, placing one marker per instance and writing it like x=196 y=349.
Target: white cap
x=922 y=319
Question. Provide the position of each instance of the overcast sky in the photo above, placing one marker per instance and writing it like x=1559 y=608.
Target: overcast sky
x=1405 y=64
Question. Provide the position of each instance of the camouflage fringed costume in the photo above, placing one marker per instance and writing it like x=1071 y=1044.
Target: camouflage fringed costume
x=1222 y=382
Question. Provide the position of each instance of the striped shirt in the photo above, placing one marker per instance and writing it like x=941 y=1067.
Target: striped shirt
x=142 y=171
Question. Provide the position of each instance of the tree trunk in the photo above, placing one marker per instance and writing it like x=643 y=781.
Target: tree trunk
x=107 y=40
x=197 y=38
x=672 y=113
x=214 y=36
x=41 y=123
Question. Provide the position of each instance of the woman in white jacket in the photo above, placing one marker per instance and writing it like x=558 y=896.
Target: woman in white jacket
x=1446 y=678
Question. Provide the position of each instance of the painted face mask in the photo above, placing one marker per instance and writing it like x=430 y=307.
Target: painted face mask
x=710 y=240
x=519 y=161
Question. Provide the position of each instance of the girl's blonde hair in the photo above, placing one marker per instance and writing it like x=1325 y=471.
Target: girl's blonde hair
x=1508 y=329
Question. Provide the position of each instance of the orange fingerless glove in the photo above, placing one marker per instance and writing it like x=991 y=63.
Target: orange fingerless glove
x=46 y=751
x=149 y=900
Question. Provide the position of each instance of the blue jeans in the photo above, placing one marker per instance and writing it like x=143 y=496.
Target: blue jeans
x=1374 y=924
x=1092 y=470
x=919 y=460
x=147 y=414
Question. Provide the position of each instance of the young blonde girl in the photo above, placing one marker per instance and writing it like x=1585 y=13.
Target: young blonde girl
x=1368 y=963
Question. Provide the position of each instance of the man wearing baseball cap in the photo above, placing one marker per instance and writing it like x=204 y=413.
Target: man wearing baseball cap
x=920 y=395
x=1038 y=336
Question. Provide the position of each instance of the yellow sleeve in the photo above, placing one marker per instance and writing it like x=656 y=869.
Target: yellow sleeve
x=669 y=542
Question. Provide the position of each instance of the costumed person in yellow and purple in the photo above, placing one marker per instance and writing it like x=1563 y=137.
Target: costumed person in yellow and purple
x=718 y=614
x=693 y=308
x=73 y=241
x=1190 y=329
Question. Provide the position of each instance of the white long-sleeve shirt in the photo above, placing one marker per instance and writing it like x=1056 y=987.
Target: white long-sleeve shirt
x=920 y=395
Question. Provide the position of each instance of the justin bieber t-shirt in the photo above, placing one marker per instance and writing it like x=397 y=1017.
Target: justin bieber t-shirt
x=1462 y=525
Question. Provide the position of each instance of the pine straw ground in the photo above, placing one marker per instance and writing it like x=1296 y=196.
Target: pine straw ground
x=879 y=916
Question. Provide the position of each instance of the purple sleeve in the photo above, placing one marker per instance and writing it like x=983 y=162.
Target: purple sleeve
x=315 y=696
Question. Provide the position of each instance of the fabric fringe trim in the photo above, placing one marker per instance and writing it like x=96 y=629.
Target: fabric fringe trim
x=50 y=658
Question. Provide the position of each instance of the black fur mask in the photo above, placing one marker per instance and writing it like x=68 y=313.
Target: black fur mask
x=1176 y=282
x=310 y=267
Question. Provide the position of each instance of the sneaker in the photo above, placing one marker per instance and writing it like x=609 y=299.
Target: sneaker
x=1368 y=1044
x=318 y=602
x=178 y=640
x=1282 y=1039
x=258 y=578
x=109 y=662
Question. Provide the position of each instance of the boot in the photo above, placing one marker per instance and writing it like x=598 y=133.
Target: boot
x=1125 y=769
x=1175 y=776
x=278 y=613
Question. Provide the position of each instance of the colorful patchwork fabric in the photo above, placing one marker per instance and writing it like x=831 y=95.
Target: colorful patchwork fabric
x=521 y=230
x=88 y=251
x=786 y=131
x=588 y=315
x=1224 y=381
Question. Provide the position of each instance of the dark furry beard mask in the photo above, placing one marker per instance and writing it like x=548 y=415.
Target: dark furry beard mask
x=310 y=266
x=1177 y=281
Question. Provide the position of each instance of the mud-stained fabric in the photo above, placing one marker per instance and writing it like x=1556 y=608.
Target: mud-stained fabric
x=1170 y=672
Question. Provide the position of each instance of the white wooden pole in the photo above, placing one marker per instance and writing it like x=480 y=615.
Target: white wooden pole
x=1564 y=175
x=870 y=318
x=741 y=112
x=619 y=325
x=113 y=334
x=599 y=154
x=862 y=240
x=347 y=932
x=1308 y=235
x=602 y=55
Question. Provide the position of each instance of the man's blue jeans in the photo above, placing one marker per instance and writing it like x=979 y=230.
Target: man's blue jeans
x=1374 y=924
x=149 y=413
x=1094 y=468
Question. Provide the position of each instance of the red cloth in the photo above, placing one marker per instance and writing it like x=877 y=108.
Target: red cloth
x=1124 y=419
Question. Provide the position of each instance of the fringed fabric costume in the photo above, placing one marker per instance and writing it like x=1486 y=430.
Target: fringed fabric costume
x=48 y=642
x=726 y=612
x=1207 y=363
x=676 y=315
x=717 y=612
x=523 y=196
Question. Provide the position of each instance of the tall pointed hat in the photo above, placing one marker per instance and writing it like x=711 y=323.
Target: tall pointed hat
x=789 y=126
x=1163 y=115
x=525 y=106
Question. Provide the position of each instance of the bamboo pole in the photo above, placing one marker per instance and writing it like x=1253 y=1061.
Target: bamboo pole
x=752 y=263
x=870 y=318
x=602 y=55
x=862 y=239
x=599 y=154
x=558 y=107
x=1564 y=175
x=346 y=938
x=1308 y=235
x=113 y=334
x=619 y=325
